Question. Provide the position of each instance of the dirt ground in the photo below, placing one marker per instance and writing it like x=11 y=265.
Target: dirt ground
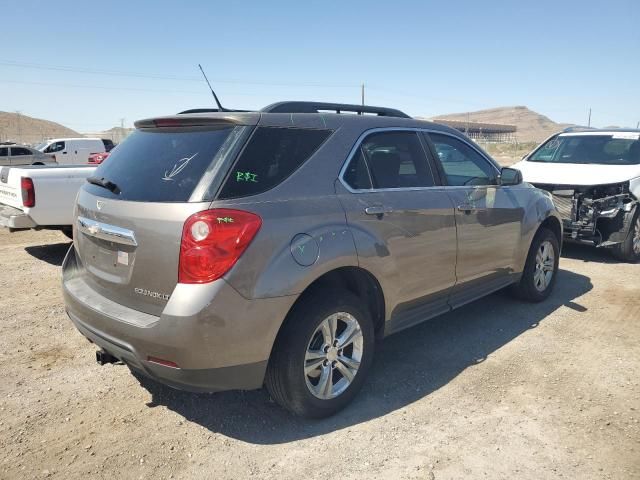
x=496 y=390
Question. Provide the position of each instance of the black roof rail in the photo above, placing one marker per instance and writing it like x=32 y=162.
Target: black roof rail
x=319 y=107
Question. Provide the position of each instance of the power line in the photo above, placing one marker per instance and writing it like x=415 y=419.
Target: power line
x=101 y=87
x=117 y=73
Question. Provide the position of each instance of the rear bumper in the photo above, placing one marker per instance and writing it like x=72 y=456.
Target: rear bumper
x=225 y=345
x=14 y=218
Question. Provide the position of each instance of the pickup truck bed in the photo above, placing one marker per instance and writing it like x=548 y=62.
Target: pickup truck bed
x=55 y=189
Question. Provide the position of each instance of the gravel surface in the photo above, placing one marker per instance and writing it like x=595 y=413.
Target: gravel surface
x=497 y=389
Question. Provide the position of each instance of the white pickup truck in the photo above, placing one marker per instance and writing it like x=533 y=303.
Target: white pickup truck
x=40 y=196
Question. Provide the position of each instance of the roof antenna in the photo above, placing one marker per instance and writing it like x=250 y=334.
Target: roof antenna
x=220 y=107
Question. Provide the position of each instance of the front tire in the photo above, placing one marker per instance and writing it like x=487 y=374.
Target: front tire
x=541 y=269
x=629 y=250
x=322 y=356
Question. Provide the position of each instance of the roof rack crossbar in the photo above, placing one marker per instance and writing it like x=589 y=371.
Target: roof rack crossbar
x=319 y=107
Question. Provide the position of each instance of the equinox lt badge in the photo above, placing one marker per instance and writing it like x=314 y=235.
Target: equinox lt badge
x=149 y=293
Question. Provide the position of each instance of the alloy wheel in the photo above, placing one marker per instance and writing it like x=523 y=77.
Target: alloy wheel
x=636 y=237
x=333 y=355
x=545 y=265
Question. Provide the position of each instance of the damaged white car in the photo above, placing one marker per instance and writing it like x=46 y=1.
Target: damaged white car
x=594 y=178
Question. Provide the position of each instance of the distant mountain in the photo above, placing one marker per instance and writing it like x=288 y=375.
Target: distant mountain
x=19 y=128
x=532 y=126
x=116 y=134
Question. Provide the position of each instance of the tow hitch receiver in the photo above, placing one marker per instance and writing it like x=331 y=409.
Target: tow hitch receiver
x=103 y=357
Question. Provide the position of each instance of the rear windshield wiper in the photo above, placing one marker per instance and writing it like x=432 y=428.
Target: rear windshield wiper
x=104 y=183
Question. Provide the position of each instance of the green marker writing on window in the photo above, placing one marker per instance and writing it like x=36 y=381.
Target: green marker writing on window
x=246 y=177
x=224 y=219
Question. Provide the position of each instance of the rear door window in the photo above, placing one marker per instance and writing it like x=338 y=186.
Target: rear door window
x=4 y=152
x=271 y=155
x=160 y=165
x=395 y=159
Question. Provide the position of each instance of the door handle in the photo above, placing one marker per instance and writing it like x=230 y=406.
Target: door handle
x=378 y=210
x=64 y=153
x=466 y=208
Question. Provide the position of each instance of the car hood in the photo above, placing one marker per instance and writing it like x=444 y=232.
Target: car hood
x=576 y=174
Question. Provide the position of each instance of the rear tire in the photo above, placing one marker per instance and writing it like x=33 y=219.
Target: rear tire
x=629 y=250
x=541 y=269
x=305 y=372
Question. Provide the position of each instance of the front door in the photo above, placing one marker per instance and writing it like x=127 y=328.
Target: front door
x=488 y=218
x=402 y=222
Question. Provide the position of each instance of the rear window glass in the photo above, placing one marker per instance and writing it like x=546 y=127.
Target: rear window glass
x=271 y=155
x=159 y=165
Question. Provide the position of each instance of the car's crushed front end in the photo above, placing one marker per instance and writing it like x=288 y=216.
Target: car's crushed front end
x=599 y=215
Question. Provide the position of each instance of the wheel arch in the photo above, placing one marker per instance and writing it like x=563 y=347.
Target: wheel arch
x=356 y=280
x=552 y=223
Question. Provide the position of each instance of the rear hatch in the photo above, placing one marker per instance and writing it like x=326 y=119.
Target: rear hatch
x=129 y=228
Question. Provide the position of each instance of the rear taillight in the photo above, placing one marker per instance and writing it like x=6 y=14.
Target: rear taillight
x=213 y=241
x=28 y=192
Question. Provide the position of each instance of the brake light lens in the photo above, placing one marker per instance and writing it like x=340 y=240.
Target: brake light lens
x=167 y=122
x=28 y=192
x=213 y=241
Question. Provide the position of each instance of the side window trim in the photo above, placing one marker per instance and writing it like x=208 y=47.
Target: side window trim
x=432 y=148
x=366 y=165
x=429 y=162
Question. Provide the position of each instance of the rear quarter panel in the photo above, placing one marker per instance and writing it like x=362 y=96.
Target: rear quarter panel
x=311 y=228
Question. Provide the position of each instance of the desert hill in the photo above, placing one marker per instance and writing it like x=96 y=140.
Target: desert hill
x=532 y=126
x=20 y=128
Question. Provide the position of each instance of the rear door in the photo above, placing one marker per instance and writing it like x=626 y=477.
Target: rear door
x=488 y=218
x=128 y=237
x=403 y=223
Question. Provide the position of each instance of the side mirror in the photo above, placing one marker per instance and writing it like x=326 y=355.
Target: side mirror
x=510 y=176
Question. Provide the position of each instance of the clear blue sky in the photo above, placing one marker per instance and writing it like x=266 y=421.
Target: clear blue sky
x=427 y=58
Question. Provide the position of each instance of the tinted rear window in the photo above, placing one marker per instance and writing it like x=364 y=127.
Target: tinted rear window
x=271 y=155
x=159 y=166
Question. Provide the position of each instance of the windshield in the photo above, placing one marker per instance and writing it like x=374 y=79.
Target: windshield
x=158 y=165
x=41 y=146
x=606 y=149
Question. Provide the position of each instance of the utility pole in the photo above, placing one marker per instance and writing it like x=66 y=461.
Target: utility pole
x=121 y=136
x=362 y=93
x=19 y=127
x=589 y=122
x=637 y=125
